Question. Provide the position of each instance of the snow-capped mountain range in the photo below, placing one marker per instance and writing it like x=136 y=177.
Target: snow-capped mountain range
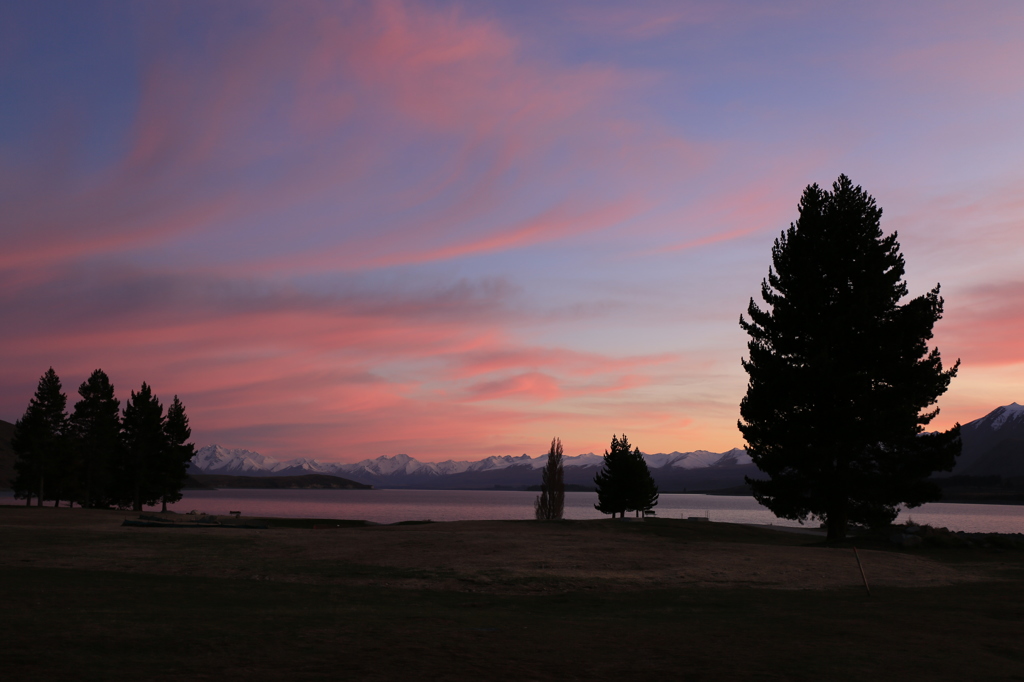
x=406 y=471
x=992 y=445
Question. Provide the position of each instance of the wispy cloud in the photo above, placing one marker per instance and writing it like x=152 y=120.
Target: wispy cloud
x=985 y=325
x=343 y=229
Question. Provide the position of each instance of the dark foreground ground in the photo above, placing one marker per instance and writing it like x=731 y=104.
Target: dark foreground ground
x=83 y=598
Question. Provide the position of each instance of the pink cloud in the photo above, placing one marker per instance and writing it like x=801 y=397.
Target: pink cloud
x=529 y=386
x=650 y=19
x=956 y=50
x=553 y=224
x=344 y=376
x=985 y=325
x=568 y=362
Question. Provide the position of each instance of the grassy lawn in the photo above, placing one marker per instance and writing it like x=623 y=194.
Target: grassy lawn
x=125 y=621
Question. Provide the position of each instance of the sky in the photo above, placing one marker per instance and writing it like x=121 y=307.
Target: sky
x=458 y=229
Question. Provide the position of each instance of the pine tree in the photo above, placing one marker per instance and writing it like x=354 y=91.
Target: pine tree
x=40 y=441
x=840 y=373
x=613 y=480
x=642 y=492
x=96 y=427
x=550 y=504
x=145 y=451
x=178 y=454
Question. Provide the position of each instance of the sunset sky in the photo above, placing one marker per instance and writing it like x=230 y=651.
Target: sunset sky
x=453 y=230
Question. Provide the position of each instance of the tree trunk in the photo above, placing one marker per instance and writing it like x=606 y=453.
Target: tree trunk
x=836 y=523
x=137 y=496
x=164 y=508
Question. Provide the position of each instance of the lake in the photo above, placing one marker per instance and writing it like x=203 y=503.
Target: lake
x=391 y=506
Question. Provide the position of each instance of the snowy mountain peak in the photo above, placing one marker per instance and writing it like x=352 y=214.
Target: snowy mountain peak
x=1001 y=415
x=502 y=461
x=584 y=460
x=386 y=466
x=217 y=459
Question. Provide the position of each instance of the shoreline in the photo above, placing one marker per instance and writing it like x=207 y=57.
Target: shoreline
x=1007 y=502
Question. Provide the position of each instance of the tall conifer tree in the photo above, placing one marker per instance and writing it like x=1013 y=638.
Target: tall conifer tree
x=840 y=373
x=178 y=454
x=145 y=450
x=96 y=426
x=40 y=440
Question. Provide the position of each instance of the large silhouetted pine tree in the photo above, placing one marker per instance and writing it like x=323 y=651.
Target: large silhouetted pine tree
x=40 y=441
x=550 y=503
x=96 y=427
x=840 y=373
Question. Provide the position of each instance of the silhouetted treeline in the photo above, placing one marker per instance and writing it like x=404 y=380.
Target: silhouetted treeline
x=98 y=456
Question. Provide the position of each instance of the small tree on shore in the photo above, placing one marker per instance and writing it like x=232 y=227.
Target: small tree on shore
x=612 y=480
x=550 y=504
x=624 y=482
x=642 y=491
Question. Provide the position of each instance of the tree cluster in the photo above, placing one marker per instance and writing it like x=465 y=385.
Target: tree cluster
x=98 y=456
x=624 y=482
x=841 y=378
x=550 y=503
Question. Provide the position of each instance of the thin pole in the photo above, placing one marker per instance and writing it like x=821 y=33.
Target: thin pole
x=861 y=567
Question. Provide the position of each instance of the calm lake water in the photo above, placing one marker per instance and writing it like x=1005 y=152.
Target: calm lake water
x=391 y=506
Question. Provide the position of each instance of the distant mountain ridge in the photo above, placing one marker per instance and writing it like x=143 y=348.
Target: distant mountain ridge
x=994 y=444
x=676 y=469
x=306 y=482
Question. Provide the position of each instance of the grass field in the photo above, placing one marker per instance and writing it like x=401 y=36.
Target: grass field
x=87 y=599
